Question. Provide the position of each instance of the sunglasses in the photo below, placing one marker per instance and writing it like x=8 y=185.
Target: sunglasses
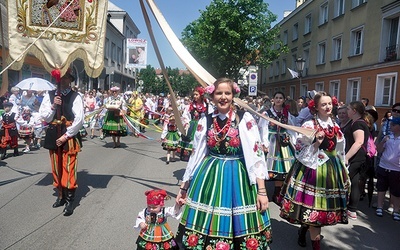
x=396 y=111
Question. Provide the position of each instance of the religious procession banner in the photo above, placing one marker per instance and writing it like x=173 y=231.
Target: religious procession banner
x=136 y=52
x=57 y=32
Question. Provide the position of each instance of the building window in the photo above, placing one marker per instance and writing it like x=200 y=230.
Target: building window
x=353 y=90
x=321 y=53
x=292 y=91
x=283 y=68
x=356 y=41
x=337 y=48
x=277 y=69
x=323 y=13
x=303 y=90
x=285 y=37
x=356 y=3
x=385 y=89
x=106 y=49
x=319 y=86
x=271 y=70
x=338 y=8
x=307 y=24
x=119 y=55
x=393 y=48
x=113 y=52
x=295 y=31
x=334 y=88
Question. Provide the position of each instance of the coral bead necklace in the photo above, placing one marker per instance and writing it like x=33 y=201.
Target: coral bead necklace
x=222 y=131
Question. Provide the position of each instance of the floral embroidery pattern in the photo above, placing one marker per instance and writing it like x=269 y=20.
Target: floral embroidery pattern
x=258 y=148
x=199 y=127
x=231 y=141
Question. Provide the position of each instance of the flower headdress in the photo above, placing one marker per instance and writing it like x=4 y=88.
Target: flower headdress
x=156 y=197
x=311 y=106
x=200 y=90
x=211 y=88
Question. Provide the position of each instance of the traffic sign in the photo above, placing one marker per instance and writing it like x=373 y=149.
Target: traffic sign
x=252 y=90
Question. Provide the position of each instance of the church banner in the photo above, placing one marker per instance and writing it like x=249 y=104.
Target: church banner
x=57 y=32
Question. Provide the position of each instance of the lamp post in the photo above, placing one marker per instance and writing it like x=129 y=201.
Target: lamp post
x=300 y=62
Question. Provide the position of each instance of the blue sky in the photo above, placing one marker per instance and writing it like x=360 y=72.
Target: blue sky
x=179 y=13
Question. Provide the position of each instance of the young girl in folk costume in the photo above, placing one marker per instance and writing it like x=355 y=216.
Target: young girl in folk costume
x=277 y=142
x=155 y=233
x=26 y=125
x=114 y=124
x=170 y=138
x=8 y=131
x=197 y=109
x=317 y=186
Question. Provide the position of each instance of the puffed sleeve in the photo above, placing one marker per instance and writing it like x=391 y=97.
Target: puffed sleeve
x=305 y=151
x=139 y=219
x=174 y=212
x=199 y=149
x=340 y=144
x=264 y=131
x=252 y=148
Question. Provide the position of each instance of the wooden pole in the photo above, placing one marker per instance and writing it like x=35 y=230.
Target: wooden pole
x=4 y=76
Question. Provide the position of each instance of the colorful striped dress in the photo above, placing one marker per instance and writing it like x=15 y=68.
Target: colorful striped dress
x=220 y=210
x=280 y=157
x=317 y=186
x=158 y=234
x=114 y=124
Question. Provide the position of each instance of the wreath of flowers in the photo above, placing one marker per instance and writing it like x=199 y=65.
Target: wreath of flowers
x=311 y=103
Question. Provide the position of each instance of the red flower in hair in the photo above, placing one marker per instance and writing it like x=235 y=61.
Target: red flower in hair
x=200 y=90
x=311 y=105
x=334 y=101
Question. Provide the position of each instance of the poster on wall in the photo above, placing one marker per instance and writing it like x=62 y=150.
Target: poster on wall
x=136 y=53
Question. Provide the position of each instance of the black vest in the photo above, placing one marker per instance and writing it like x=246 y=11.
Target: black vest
x=66 y=111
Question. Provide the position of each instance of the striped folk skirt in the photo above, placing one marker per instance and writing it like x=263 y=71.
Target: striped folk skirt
x=114 y=124
x=280 y=157
x=316 y=197
x=221 y=212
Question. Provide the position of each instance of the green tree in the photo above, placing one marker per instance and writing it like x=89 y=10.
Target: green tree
x=182 y=83
x=231 y=34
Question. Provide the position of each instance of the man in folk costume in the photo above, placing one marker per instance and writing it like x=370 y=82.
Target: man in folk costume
x=71 y=115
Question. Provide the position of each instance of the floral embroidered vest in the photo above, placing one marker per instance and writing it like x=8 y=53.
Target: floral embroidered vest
x=227 y=143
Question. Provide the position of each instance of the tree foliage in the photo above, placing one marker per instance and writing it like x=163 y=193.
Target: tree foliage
x=182 y=83
x=231 y=34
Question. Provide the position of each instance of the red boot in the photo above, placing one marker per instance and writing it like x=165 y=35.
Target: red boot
x=316 y=244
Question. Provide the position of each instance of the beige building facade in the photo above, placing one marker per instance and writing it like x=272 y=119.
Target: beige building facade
x=350 y=49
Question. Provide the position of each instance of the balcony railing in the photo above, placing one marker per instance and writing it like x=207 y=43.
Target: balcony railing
x=392 y=53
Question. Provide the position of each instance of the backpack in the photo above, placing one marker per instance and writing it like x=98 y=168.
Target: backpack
x=371 y=147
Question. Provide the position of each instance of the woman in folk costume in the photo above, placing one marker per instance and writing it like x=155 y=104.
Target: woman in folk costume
x=197 y=109
x=224 y=182
x=170 y=138
x=155 y=232
x=277 y=142
x=317 y=186
x=114 y=124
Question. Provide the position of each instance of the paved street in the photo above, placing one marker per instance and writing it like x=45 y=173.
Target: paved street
x=111 y=190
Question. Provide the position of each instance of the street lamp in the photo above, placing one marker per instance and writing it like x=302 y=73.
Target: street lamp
x=300 y=62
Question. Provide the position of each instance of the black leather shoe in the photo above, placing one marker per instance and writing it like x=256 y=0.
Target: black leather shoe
x=16 y=153
x=59 y=202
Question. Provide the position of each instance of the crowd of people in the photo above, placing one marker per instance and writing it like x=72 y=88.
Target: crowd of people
x=231 y=154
